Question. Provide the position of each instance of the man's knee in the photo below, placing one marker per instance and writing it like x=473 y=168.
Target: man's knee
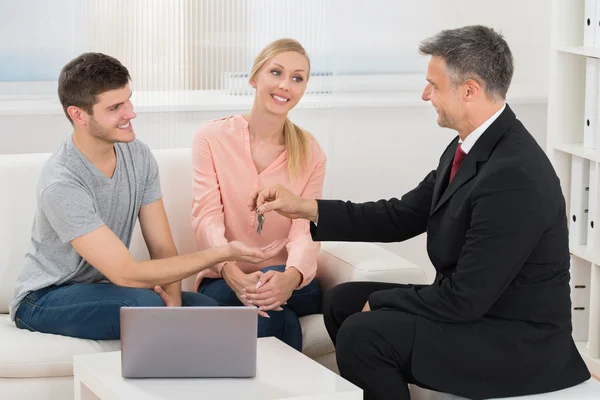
x=135 y=297
x=336 y=297
x=355 y=327
x=385 y=335
x=353 y=338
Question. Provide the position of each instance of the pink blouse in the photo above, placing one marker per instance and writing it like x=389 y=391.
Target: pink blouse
x=224 y=176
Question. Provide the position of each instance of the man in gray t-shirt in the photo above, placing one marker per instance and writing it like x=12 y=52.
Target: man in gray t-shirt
x=75 y=198
x=78 y=271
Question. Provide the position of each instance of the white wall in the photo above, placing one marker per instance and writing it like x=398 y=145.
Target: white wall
x=525 y=25
x=373 y=152
x=381 y=36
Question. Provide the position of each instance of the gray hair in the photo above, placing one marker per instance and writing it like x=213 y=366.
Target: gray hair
x=474 y=52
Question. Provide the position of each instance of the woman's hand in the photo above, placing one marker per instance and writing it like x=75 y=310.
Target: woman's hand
x=238 y=281
x=274 y=289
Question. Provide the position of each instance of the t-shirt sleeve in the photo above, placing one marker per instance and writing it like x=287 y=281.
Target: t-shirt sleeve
x=152 y=190
x=70 y=210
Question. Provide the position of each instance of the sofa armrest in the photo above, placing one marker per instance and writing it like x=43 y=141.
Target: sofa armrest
x=340 y=262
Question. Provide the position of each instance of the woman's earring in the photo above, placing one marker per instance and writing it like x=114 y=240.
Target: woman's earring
x=253 y=86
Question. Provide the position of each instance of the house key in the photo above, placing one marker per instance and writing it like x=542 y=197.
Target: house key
x=261 y=221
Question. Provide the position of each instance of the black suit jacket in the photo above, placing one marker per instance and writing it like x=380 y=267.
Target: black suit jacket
x=496 y=321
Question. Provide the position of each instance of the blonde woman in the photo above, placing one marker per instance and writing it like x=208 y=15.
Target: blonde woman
x=234 y=156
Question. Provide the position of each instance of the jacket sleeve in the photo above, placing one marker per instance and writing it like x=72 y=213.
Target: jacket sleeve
x=391 y=220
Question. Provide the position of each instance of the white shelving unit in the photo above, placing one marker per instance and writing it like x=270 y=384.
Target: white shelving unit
x=565 y=140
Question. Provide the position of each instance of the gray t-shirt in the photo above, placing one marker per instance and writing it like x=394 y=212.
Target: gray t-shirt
x=75 y=198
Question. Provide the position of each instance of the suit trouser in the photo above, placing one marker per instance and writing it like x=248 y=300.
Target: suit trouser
x=373 y=349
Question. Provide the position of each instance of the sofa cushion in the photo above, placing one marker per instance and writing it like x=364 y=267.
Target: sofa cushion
x=315 y=339
x=18 y=179
x=341 y=262
x=25 y=354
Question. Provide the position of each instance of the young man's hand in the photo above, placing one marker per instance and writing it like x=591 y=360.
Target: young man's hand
x=170 y=301
x=239 y=251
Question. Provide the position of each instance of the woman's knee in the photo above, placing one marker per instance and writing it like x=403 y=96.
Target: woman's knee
x=278 y=268
x=278 y=322
x=220 y=291
x=307 y=300
x=190 y=299
x=284 y=325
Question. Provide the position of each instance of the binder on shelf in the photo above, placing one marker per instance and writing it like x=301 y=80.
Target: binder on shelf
x=589 y=23
x=578 y=217
x=592 y=203
x=580 y=297
x=596 y=11
x=590 y=123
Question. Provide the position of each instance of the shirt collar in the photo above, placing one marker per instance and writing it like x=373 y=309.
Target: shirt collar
x=469 y=142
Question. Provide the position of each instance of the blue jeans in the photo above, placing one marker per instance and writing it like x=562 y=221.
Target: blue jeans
x=284 y=325
x=89 y=310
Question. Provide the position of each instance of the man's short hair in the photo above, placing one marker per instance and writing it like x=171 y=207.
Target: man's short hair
x=87 y=76
x=474 y=52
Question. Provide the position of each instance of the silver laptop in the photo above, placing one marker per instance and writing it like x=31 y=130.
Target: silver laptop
x=188 y=342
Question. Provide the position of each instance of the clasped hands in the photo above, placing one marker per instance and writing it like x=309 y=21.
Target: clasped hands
x=267 y=291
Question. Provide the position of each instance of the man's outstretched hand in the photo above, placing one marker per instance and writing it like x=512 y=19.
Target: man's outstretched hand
x=239 y=251
x=281 y=200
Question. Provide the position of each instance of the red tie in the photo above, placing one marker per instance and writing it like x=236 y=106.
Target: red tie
x=459 y=156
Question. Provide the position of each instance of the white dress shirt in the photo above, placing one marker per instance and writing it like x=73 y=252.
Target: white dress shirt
x=469 y=142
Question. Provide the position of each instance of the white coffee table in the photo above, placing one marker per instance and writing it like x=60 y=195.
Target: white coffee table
x=281 y=373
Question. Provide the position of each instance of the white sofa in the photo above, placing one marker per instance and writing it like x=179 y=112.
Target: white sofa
x=39 y=366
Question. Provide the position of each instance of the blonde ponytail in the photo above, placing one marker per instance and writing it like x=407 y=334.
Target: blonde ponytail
x=297 y=146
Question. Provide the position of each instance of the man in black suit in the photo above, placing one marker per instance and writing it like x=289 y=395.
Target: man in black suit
x=496 y=321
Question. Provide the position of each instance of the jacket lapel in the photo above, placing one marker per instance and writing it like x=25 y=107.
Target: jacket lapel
x=443 y=173
x=466 y=171
x=479 y=154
